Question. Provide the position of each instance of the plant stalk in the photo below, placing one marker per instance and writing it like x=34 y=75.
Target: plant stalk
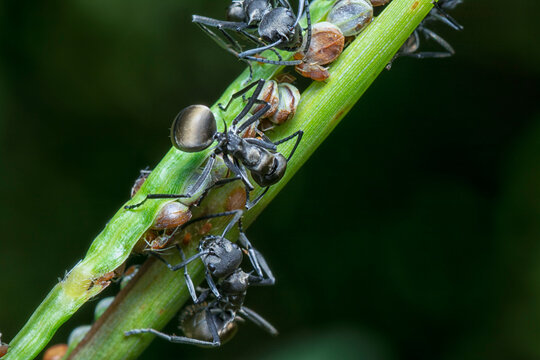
x=158 y=293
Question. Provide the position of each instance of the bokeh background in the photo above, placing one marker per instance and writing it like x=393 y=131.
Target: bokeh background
x=412 y=233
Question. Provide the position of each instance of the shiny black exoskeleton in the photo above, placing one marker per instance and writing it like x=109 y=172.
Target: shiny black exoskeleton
x=210 y=324
x=274 y=22
x=194 y=129
x=438 y=13
x=222 y=260
x=215 y=322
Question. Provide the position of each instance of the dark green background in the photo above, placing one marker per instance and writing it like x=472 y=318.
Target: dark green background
x=412 y=233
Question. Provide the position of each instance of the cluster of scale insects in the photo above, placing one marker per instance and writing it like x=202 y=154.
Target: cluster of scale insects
x=243 y=152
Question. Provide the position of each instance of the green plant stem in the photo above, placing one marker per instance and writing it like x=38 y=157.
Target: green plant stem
x=322 y=106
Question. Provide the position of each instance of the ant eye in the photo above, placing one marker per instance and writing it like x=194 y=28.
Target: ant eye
x=193 y=129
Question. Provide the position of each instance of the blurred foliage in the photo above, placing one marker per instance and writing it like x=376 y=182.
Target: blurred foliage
x=412 y=233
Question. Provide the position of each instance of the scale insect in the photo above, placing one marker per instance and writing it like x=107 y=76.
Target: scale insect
x=213 y=323
x=195 y=129
x=273 y=21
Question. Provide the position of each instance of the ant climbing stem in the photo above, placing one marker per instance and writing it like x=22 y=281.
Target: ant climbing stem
x=211 y=323
x=194 y=129
x=273 y=21
x=220 y=256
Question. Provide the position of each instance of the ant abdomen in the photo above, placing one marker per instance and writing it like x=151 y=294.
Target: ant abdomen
x=193 y=129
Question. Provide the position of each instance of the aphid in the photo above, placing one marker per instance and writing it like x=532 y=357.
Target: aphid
x=351 y=16
x=326 y=46
x=55 y=352
x=143 y=175
x=274 y=22
x=283 y=99
x=412 y=44
x=194 y=129
x=379 y=2
x=214 y=323
x=170 y=216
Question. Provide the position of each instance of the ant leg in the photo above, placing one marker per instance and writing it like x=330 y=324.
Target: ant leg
x=224 y=45
x=180 y=265
x=259 y=49
x=308 y=18
x=258 y=42
x=242 y=92
x=237 y=213
x=220 y=24
x=258 y=320
x=191 y=191
x=237 y=216
x=255 y=117
x=241 y=168
x=244 y=241
x=409 y=47
x=189 y=281
x=216 y=184
x=174 y=338
x=213 y=328
x=251 y=204
x=250 y=72
x=444 y=17
x=429 y=34
x=212 y=284
x=264 y=143
x=253 y=99
x=236 y=170
x=297 y=134
x=273 y=62
x=270 y=278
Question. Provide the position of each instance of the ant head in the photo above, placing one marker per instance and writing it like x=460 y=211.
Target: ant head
x=279 y=24
x=256 y=10
x=235 y=11
x=223 y=258
x=193 y=129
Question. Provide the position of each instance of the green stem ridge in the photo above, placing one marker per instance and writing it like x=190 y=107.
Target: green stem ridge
x=158 y=293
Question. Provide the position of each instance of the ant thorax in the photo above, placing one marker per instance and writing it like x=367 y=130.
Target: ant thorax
x=279 y=24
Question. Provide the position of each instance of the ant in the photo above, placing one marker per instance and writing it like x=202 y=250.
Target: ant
x=214 y=323
x=222 y=258
x=412 y=44
x=274 y=21
x=194 y=129
x=211 y=324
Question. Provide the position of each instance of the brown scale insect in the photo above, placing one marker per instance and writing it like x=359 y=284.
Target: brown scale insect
x=379 y=2
x=170 y=216
x=55 y=352
x=283 y=99
x=327 y=44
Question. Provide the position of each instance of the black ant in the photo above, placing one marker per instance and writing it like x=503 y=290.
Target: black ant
x=274 y=21
x=194 y=129
x=213 y=323
x=412 y=44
